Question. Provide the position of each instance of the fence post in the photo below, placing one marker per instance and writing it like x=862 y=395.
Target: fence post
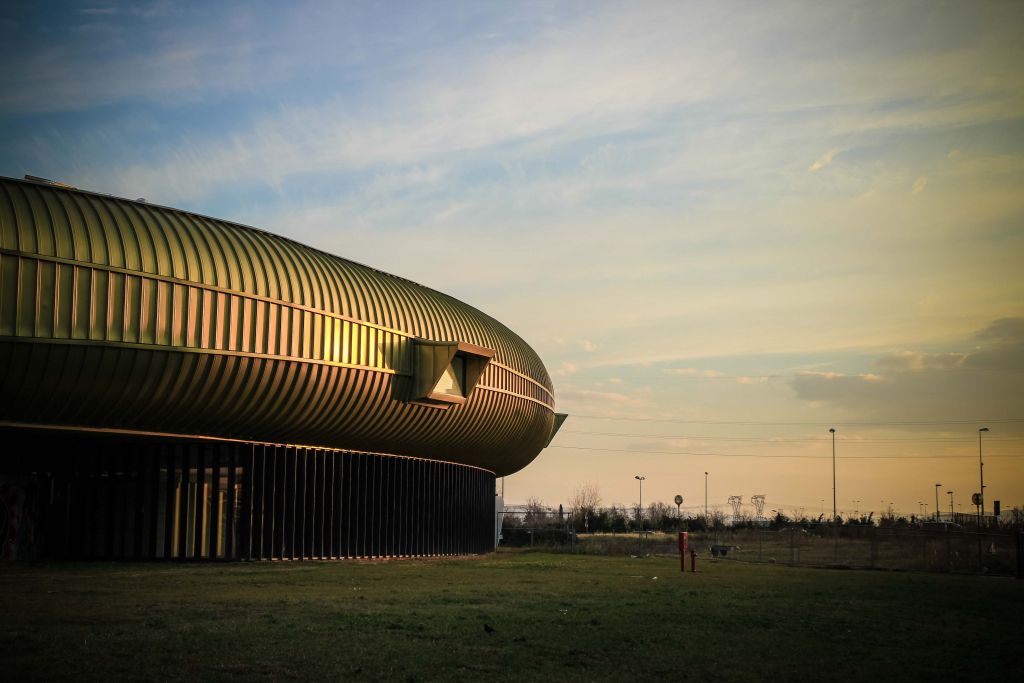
x=981 y=564
x=924 y=549
x=1020 y=554
x=949 y=550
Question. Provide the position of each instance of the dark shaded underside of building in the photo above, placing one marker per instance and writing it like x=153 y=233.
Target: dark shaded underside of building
x=102 y=495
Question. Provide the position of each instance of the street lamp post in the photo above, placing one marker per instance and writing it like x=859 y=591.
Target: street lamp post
x=937 y=501
x=950 y=505
x=833 y=432
x=640 y=510
x=706 y=523
x=981 y=492
x=981 y=478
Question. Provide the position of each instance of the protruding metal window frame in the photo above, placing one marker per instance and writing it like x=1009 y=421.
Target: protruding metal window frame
x=431 y=359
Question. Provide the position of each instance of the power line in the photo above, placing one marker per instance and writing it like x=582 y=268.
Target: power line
x=798 y=457
x=784 y=440
x=695 y=374
x=1011 y=420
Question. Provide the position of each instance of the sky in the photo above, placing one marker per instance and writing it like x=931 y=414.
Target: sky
x=725 y=227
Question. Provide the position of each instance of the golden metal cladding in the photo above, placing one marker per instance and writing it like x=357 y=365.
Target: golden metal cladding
x=121 y=314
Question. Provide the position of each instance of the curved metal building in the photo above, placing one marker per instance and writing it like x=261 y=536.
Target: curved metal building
x=188 y=387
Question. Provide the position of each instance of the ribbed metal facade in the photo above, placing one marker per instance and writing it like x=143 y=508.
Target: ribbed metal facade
x=104 y=496
x=120 y=314
x=149 y=322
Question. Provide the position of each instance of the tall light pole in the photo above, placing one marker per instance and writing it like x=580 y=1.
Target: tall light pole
x=937 y=501
x=981 y=478
x=833 y=431
x=705 y=499
x=950 y=505
x=640 y=510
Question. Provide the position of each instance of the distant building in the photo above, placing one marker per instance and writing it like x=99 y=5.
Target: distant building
x=175 y=386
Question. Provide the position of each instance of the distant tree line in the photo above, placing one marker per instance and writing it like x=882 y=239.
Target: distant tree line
x=584 y=514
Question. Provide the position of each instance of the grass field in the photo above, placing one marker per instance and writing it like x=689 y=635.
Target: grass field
x=904 y=549
x=557 y=617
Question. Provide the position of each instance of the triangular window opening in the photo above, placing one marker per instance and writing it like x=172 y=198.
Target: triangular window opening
x=453 y=380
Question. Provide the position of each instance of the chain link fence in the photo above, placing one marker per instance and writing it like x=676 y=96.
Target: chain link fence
x=870 y=547
x=940 y=548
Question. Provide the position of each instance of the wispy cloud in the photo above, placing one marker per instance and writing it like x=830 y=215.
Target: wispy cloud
x=692 y=372
x=567 y=368
x=898 y=361
x=824 y=160
x=588 y=396
x=514 y=99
